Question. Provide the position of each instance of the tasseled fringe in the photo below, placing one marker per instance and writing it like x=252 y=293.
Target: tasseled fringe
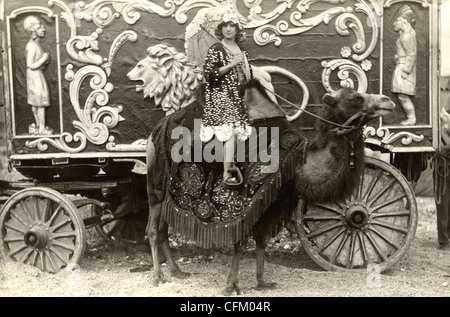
x=219 y=234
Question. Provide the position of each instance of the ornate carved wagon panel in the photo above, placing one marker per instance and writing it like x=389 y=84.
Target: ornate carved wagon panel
x=95 y=110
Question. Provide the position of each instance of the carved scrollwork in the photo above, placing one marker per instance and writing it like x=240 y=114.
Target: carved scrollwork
x=355 y=25
x=81 y=48
x=62 y=143
x=373 y=12
x=346 y=68
x=424 y=3
x=102 y=15
x=90 y=123
x=117 y=44
x=388 y=137
x=262 y=36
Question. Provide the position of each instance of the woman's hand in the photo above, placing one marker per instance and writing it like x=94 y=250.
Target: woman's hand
x=238 y=59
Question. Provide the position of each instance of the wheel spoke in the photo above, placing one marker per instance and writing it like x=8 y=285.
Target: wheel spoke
x=382 y=191
x=36 y=208
x=67 y=234
x=388 y=202
x=382 y=236
x=372 y=185
x=45 y=210
x=26 y=211
x=25 y=257
x=329 y=208
x=41 y=261
x=323 y=229
x=320 y=218
x=11 y=238
x=361 y=185
x=64 y=245
x=52 y=218
x=390 y=226
x=50 y=261
x=337 y=251
x=351 y=252
x=19 y=219
x=363 y=247
x=20 y=248
x=12 y=227
x=330 y=240
x=375 y=246
x=60 y=225
x=59 y=256
x=399 y=213
x=33 y=261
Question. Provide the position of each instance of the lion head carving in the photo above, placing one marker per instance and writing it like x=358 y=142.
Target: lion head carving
x=166 y=77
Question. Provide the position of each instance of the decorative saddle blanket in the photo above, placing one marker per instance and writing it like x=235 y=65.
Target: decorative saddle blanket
x=200 y=207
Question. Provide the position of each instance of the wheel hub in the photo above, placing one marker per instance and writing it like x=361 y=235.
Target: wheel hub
x=37 y=237
x=356 y=216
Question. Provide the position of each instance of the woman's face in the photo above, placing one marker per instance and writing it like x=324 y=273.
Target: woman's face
x=229 y=31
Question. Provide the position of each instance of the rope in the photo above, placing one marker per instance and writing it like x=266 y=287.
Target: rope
x=343 y=126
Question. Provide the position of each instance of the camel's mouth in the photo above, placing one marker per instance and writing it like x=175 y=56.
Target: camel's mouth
x=384 y=111
x=383 y=107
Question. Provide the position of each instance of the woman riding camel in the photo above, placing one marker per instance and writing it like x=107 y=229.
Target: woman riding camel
x=225 y=69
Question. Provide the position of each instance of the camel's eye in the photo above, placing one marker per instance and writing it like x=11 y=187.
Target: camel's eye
x=358 y=100
x=140 y=66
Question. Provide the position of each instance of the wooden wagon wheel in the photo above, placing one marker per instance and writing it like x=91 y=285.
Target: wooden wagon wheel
x=41 y=227
x=376 y=225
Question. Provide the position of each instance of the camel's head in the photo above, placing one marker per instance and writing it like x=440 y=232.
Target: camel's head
x=347 y=102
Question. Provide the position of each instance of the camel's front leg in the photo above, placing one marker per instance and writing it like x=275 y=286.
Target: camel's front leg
x=233 y=277
x=173 y=267
x=261 y=243
x=153 y=234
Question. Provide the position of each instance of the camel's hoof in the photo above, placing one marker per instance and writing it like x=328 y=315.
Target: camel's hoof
x=229 y=290
x=158 y=279
x=264 y=286
x=181 y=275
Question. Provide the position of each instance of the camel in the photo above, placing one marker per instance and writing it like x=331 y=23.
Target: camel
x=329 y=168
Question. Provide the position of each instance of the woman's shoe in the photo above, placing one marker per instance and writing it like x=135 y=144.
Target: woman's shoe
x=233 y=176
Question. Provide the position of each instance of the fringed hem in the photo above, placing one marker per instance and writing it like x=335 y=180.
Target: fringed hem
x=225 y=132
x=219 y=234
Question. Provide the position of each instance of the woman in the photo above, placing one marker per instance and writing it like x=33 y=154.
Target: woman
x=225 y=69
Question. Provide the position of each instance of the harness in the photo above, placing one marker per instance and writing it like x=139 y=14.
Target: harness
x=340 y=129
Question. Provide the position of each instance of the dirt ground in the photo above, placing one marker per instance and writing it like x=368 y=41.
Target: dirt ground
x=123 y=268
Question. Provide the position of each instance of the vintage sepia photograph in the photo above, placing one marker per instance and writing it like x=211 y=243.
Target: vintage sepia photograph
x=223 y=155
